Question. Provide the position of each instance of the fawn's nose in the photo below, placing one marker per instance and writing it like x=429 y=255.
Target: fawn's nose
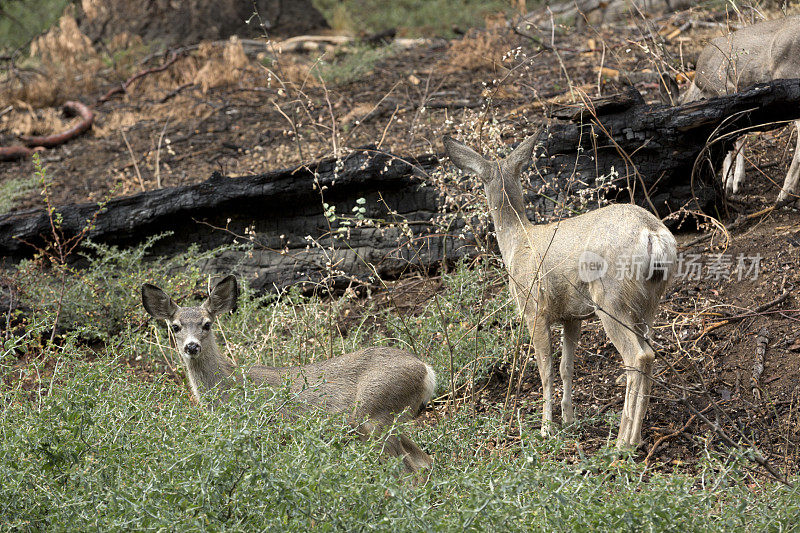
x=192 y=348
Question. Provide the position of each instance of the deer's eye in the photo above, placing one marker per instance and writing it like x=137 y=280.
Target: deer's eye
x=175 y=328
x=207 y=326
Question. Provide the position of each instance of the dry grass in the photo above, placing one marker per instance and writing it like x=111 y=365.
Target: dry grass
x=478 y=50
x=24 y=120
x=66 y=67
x=225 y=70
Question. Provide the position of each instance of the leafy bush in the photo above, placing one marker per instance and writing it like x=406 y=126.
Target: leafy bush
x=106 y=450
x=87 y=444
x=351 y=64
x=21 y=20
x=103 y=298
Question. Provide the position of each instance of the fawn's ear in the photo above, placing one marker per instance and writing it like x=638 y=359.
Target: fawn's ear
x=467 y=159
x=223 y=297
x=157 y=303
x=519 y=157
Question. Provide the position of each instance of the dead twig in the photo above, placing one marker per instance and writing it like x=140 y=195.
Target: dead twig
x=740 y=221
x=133 y=160
x=124 y=87
x=758 y=310
x=175 y=92
x=670 y=436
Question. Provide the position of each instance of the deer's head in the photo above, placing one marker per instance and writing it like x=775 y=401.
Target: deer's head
x=501 y=178
x=191 y=326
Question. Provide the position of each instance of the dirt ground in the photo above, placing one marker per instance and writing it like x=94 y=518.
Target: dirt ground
x=178 y=126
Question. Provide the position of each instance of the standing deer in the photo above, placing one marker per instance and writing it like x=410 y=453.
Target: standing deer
x=371 y=387
x=559 y=274
x=759 y=53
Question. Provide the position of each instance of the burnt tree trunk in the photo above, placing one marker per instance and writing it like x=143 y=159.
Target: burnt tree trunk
x=659 y=155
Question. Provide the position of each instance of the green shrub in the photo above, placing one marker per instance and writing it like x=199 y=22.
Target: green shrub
x=351 y=64
x=107 y=451
x=22 y=20
x=87 y=444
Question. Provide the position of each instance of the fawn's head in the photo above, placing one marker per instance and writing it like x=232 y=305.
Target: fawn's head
x=501 y=178
x=191 y=326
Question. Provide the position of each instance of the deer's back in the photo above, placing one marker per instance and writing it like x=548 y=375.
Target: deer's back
x=547 y=267
x=366 y=382
x=755 y=54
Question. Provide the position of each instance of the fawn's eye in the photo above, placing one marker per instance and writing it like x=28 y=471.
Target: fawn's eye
x=207 y=326
x=175 y=328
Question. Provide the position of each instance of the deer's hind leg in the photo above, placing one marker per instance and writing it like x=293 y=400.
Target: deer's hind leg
x=540 y=331
x=396 y=445
x=733 y=178
x=638 y=357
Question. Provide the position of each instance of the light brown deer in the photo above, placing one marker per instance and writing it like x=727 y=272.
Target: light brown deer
x=762 y=52
x=614 y=263
x=372 y=387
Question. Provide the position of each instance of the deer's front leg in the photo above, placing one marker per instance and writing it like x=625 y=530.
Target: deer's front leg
x=572 y=331
x=544 y=360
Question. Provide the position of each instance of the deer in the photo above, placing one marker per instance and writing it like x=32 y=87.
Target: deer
x=763 y=52
x=559 y=275
x=371 y=387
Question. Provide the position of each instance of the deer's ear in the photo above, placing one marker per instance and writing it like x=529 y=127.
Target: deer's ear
x=467 y=159
x=519 y=157
x=223 y=297
x=157 y=303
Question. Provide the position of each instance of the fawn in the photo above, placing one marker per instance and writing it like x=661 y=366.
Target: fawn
x=371 y=387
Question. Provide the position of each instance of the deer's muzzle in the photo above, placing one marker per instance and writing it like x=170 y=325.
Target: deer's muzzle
x=192 y=348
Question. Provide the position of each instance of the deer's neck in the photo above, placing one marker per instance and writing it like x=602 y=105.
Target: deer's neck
x=213 y=371
x=507 y=210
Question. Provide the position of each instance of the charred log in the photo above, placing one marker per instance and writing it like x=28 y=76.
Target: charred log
x=659 y=156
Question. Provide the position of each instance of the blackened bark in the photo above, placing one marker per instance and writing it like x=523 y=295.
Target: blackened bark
x=661 y=150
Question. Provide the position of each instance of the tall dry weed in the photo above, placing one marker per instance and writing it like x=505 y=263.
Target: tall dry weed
x=478 y=50
x=222 y=71
x=67 y=64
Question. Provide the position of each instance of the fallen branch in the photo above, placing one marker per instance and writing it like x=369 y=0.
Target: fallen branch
x=315 y=42
x=49 y=141
x=670 y=436
x=124 y=87
x=175 y=92
x=758 y=310
x=12 y=153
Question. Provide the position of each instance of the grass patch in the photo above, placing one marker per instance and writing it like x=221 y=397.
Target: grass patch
x=412 y=18
x=22 y=20
x=11 y=191
x=351 y=64
x=85 y=444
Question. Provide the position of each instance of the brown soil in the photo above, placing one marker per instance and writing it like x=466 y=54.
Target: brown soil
x=182 y=125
